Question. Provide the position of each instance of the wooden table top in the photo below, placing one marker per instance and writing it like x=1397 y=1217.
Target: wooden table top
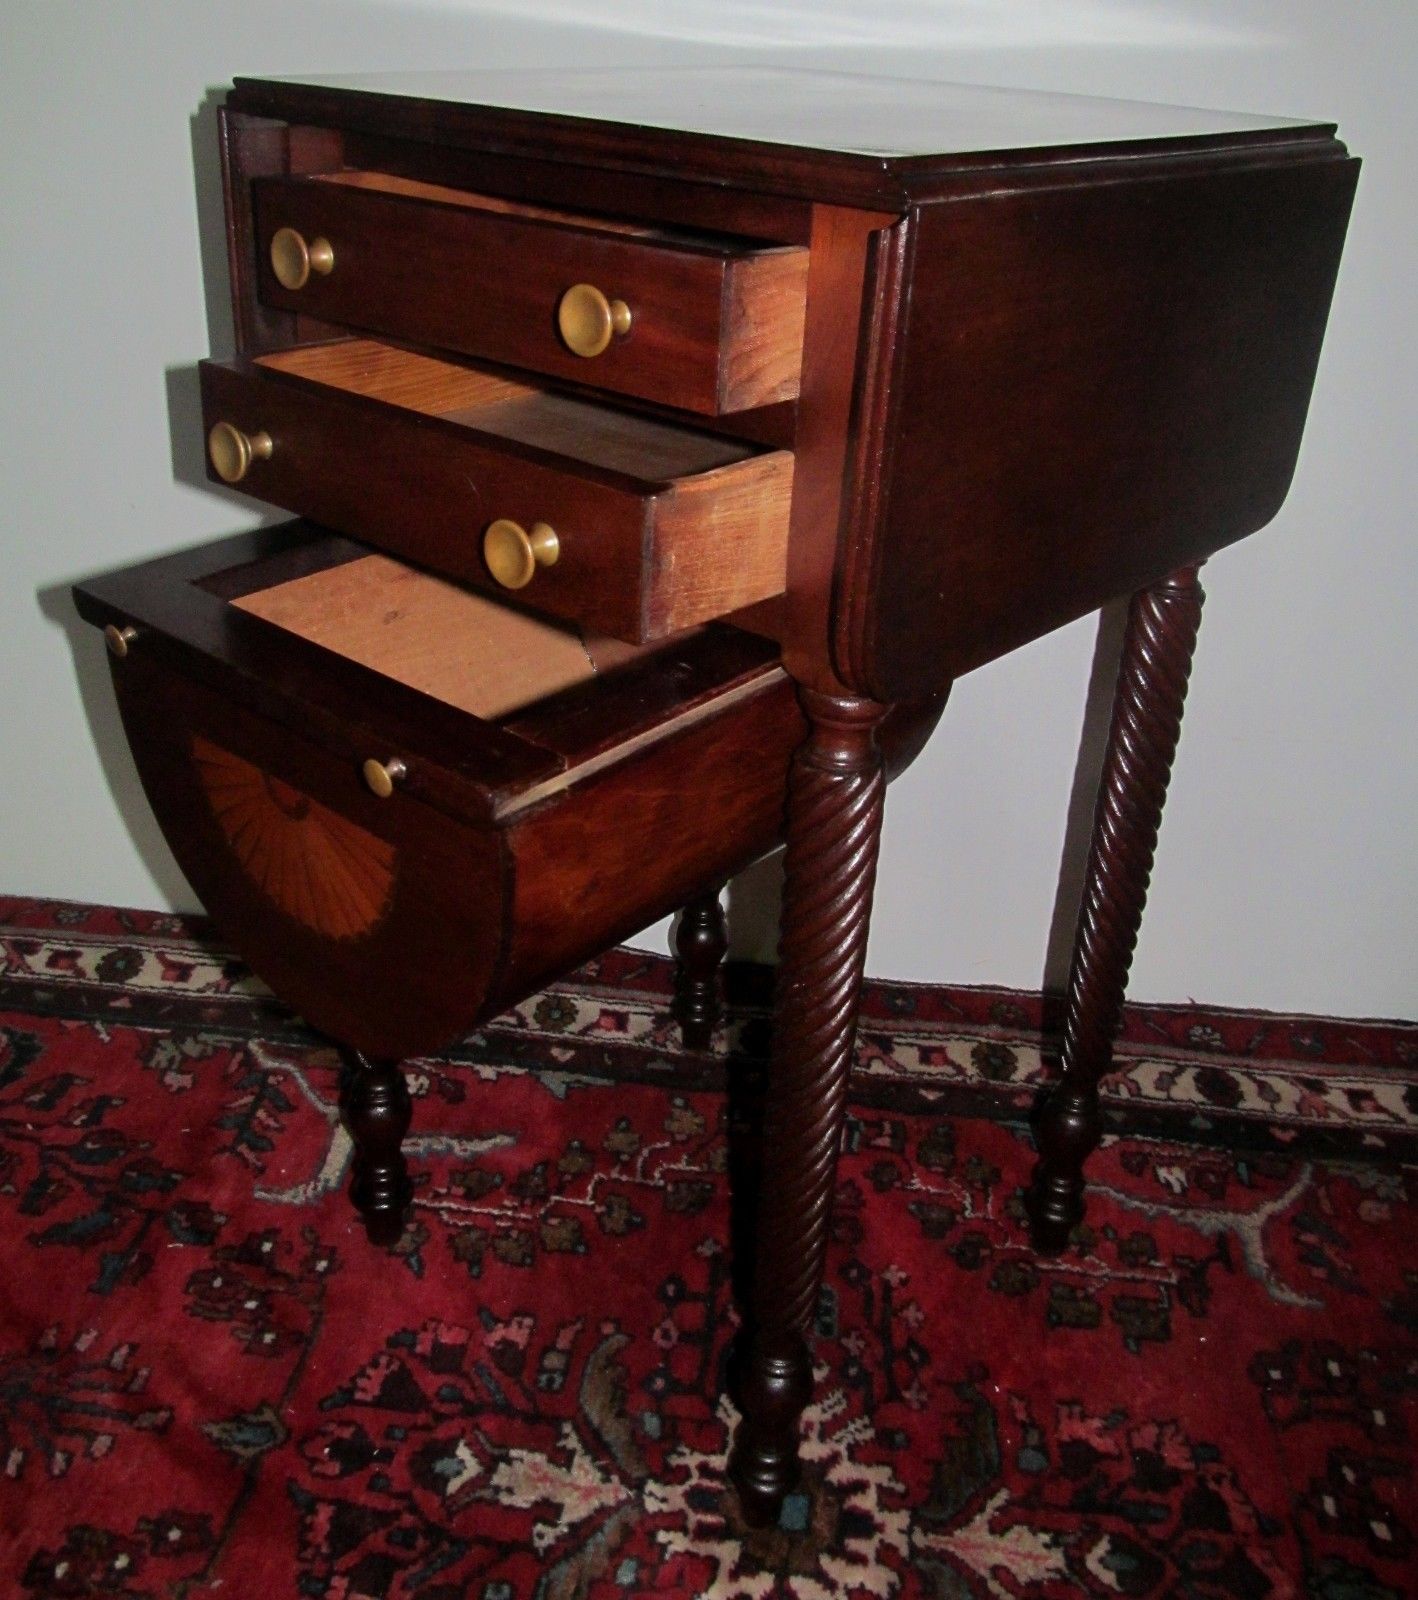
x=843 y=136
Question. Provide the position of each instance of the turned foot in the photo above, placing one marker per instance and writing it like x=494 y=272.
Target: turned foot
x=1068 y=1134
x=700 y=945
x=775 y=1387
x=377 y=1112
x=1142 y=742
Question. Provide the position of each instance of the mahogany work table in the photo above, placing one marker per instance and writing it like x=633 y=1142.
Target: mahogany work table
x=669 y=445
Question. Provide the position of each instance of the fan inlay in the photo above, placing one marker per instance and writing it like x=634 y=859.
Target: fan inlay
x=317 y=866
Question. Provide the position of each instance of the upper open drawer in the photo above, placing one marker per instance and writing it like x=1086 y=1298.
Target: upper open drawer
x=638 y=527
x=704 y=323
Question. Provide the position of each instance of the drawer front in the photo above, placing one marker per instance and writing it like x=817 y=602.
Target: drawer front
x=212 y=614
x=378 y=921
x=710 y=328
x=633 y=559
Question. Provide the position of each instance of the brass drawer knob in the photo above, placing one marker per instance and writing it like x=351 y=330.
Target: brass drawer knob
x=293 y=260
x=231 y=451
x=513 y=554
x=119 y=639
x=587 y=319
x=381 y=776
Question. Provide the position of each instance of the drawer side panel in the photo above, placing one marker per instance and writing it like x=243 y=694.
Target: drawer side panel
x=637 y=840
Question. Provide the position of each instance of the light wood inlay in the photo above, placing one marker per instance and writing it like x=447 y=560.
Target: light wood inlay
x=317 y=866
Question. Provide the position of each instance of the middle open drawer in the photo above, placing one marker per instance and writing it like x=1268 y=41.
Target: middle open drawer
x=626 y=523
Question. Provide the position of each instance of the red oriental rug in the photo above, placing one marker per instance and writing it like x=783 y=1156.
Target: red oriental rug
x=210 y=1385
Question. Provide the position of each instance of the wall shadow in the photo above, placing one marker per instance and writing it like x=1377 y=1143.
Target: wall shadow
x=100 y=707
x=753 y=909
x=187 y=437
x=211 y=224
x=187 y=450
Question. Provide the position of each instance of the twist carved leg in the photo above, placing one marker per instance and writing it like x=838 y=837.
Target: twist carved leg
x=835 y=793
x=1142 y=741
x=700 y=945
x=377 y=1112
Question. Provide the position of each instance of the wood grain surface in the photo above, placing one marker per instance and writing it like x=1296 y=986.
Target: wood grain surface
x=433 y=635
x=716 y=324
x=439 y=477
x=1094 y=381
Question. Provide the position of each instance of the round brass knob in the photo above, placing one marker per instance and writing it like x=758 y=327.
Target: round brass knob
x=587 y=319
x=293 y=260
x=513 y=554
x=119 y=639
x=231 y=451
x=381 y=776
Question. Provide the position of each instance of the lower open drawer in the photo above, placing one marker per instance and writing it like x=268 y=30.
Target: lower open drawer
x=639 y=526
x=407 y=804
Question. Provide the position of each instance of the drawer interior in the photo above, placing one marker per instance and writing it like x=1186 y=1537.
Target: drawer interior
x=432 y=635
x=442 y=194
x=490 y=707
x=590 y=434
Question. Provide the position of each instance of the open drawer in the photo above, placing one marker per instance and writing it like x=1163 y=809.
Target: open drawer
x=406 y=804
x=694 y=321
x=637 y=527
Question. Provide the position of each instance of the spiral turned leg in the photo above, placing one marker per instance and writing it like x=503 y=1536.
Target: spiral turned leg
x=377 y=1112
x=835 y=794
x=700 y=946
x=1142 y=741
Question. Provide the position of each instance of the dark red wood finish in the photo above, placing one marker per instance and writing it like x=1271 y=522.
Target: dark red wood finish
x=457 y=764
x=256 y=147
x=848 y=330
x=870 y=180
x=377 y=1111
x=1095 y=379
x=1034 y=376
x=498 y=841
x=1142 y=741
x=673 y=199
x=404 y=266
x=415 y=979
x=836 y=792
x=426 y=487
x=701 y=942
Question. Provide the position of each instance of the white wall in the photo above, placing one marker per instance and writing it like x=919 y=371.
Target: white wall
x=1286 y=875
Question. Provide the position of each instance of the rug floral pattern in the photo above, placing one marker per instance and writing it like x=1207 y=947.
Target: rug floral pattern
x=211 y=1385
